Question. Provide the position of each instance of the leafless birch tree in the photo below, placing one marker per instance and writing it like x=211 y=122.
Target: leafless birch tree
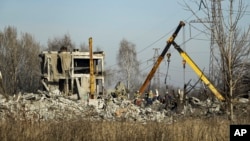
x=127 y=61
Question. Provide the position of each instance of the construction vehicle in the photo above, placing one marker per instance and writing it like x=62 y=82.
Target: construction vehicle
x=73 y=72
x=187 y=59
x=160 y=58
x=198 y=71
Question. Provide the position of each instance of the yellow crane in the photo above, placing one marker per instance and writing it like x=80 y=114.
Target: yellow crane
x=187 y=59
x=160 y=58
x=198 y=71
x=91 y=70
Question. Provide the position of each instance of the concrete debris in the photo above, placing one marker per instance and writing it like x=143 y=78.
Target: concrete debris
x=241 y=100
x=45 y=106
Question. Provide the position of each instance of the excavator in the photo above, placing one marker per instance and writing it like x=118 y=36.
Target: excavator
x=187 y=59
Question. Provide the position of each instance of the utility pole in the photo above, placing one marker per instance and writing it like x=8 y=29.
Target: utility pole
x=91 y=70
x=211 y=56
x=214 y=18
x=157 y=77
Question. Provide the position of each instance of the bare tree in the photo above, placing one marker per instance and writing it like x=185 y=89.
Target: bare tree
x=56 y=43
x=231 y=43
x=243 y=87
x=18 y=61
x=127 y=61
x=84 y=47
x=28 y=66
x=9 y=58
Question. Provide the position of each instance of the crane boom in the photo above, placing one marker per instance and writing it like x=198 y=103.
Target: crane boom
x=198 y=71
x=91 y=70
x=160 y=58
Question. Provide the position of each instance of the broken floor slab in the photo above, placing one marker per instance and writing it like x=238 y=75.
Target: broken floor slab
x=40 y=107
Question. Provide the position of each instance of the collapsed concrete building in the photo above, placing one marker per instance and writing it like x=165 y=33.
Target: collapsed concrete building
x=69 y=72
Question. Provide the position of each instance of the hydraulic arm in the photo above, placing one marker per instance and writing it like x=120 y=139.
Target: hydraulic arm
x=198 y=71
x=160 y=58
x=187 y=59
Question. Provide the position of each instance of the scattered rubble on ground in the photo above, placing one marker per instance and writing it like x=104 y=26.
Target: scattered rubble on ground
x=53 y=106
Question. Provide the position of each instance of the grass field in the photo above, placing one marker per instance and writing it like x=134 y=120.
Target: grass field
x=185 y=129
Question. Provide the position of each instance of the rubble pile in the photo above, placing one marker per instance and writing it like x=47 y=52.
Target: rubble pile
x=29 y=106
x=44 y=106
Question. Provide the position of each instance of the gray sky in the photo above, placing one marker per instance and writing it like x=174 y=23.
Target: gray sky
x=146 y=23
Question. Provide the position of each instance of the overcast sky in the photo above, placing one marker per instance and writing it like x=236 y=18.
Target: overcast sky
x=146 y=23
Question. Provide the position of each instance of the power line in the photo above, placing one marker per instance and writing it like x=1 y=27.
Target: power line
x=190 y=38
x=245 y=12
x=157 y=40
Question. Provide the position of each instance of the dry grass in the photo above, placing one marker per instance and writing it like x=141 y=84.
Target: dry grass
x=214 y=128
x=188 y=129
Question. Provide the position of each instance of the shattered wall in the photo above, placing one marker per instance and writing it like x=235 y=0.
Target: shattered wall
x=69 y=71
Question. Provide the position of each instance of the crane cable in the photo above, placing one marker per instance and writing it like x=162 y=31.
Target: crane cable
x=168 y=56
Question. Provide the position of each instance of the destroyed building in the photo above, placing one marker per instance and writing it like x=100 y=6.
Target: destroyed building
x=69 y=72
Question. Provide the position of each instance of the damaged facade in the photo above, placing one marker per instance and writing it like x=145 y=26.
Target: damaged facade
x=69 y=72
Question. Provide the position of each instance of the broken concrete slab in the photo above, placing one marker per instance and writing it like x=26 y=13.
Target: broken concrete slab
x=39 y=107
